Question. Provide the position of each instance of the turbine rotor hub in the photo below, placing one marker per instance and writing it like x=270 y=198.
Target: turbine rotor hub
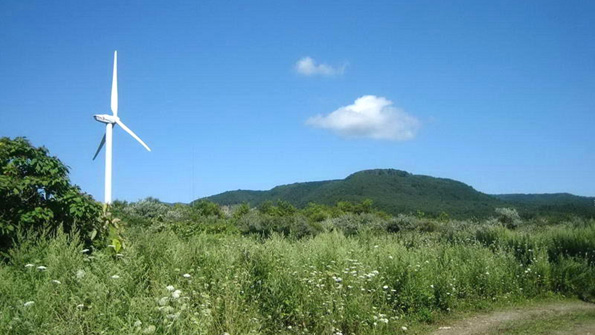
x=106 y=118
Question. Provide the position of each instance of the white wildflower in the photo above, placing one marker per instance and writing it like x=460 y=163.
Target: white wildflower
x=149 y=330
x=404 y=328
x=186 y=275
x=163 y=301
x=41 y=268
x=176 y=294
x=385 y=287
x=29 y=265
x=115 y=277
x=80 y=274
x=29 y=303
x=56 y=282
x=170 y=288
x=138 y=323
x=173 y=316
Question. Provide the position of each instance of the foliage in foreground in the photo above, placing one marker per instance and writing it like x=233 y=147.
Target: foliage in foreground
x=372 y=282
x=36 y=194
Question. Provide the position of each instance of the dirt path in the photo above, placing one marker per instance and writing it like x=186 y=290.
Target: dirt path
x=483 y=324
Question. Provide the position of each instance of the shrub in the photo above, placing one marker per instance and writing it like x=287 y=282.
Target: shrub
x=240 y=210
x=207 y=208
x=281 y=208
x=509 y=217
x=265 y=225
x=145 y=212
x=352 y=224
x=318 y=212
x=366 y=206
x=36 y=194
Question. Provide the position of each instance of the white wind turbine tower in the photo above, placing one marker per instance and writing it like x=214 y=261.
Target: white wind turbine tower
x=110 y=121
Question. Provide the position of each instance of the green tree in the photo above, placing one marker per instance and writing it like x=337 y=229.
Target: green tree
x=285 y=208
x=509 y=217
x=35 y=193
x=207 y=208
x=241 y=210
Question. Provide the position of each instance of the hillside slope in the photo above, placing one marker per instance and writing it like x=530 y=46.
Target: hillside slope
x=393 y=191
x=552 y=203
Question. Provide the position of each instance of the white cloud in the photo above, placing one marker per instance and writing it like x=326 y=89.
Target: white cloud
x=308 y=67
x=369 y=117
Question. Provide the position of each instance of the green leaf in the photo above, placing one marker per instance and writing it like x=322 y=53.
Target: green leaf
x=117 y=244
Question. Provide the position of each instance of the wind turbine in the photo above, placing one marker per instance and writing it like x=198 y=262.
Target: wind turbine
x=110 y=122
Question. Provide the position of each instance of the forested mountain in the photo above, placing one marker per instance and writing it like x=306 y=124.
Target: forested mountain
x=552 y=204
x=395 y=191
x=392 y=191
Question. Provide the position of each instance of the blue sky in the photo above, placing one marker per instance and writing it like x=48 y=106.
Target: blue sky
x=239 y=94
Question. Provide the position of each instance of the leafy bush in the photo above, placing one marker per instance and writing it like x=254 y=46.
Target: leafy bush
x=265 y=225
x=240 y=210
x=352 y=224
x=509 y=217
x=281 y=208
x=143 y=212
x=207 y=208
x=36 y=194
x=318 y=213
x=357 y=208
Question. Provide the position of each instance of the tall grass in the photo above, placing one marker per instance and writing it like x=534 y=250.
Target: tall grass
x=368 y=283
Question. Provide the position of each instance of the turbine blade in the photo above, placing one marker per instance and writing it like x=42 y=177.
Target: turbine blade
x=100 y=146
x=114 y=104
x=121 y=124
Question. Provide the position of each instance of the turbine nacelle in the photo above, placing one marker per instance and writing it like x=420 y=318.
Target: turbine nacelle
x=106 y=118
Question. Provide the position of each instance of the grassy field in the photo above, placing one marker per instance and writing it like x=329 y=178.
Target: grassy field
x=169 y=281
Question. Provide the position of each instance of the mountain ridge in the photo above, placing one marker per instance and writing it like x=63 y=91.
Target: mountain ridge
x=397 y=191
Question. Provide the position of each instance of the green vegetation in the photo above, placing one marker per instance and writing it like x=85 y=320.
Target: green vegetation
x=276 y=269
x=398 y=192
x=557 y=206
x=35 y=194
